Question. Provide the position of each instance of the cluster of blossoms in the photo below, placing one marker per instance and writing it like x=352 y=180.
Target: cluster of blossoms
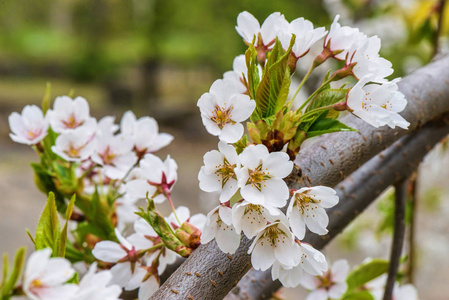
x=249 y=175
x=109 y=168
x=47 y=277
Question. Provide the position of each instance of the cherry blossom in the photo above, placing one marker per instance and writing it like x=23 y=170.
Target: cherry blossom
x=157 y=180
x=127 y=255
x=145 y=133
x=252 y=218
x=312 y=262
x=183 y=214
x=30 y=127
x=331 y=285
x=307 y=208
x=400 y=292
x=306 y=36
x=74 y=145
x=223 y=108
x=260 y=177
x=219 y=226
x=114 y=154
x=249 y=28
x=45 y=278
x=377 y=104
x=273 y=243
x=218 y=172
x=340 y=38
x=146 y=279
x=95 y=286
x=68 y=114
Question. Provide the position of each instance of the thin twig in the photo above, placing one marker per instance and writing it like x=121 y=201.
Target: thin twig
x=412 y=229
x=398 y=237
x=440 y=9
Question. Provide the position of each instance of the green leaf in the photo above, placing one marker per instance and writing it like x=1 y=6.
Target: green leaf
x=63 y=235
x=100 y=217
x=19 y=261
x=253 y=70
x=44 y=182
x=75 y=278
x=47 y=231
x=327 y=97
x=361 y=295
x=365 y=273
x=325 y=125
x=272 y=91
x=5 y=269
x=46 y=99
x=235 y=198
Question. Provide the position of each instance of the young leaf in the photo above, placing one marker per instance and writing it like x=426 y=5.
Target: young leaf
x=17 y=267
x=46 y=99
x=5 y=270
x=326 y=125
x=63 y=239
x=365 y=273
x=327 y=97
x=44 y=182
x=253 y=70
x=99 y=216
x=272 y=91
x=361 y=295
x=47 y=230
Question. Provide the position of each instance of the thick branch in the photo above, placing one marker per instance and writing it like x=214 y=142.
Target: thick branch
x=325 y=163
x=356 y=193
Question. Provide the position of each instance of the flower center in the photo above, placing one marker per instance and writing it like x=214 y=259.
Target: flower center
x=74 y=151
x=303 y=201
x=71 y=122
x=257 y=177
x=225 y=171
x=32 y=134
x=273 y=235
x=222 y=116
x=108 y=156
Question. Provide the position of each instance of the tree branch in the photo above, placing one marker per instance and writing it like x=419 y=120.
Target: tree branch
x=210 y=274
x=400 y=201
x=356 y=193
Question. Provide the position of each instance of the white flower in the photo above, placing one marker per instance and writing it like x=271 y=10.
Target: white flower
x=223 y=108
x=115 y=154
x=218 y=172
x=340 y=38
x=273 y=243
x=125 y=254
x=219 y=226
x=106 y=126
x=158 y=178
x=364 y=53
x=74 y=145
x=307 y=208
x=332 y=285
x=405 y=292
x=145 y=133
x=95 y=286
x=239 y=74
x=377 y=104
x=249 y=28
x=260 y=177
x=252 y=218
x=125 y=208
x=306 y=36
x=28 y=128
x=45 y=277
x=312 y=262
x=146 y=279
x=69 y=114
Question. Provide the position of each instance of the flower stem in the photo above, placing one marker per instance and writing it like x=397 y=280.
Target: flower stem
x=167 y=194
x=316 y=92
x=303 y=81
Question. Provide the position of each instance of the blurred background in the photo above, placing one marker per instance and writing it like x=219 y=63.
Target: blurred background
x=157 y=57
